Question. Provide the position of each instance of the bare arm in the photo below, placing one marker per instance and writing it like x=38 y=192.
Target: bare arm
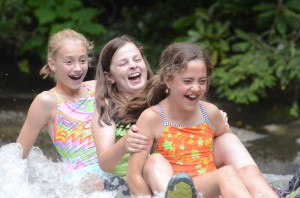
x=105 y=143
x=217 y=119
x=38 y=116
x=148 y=124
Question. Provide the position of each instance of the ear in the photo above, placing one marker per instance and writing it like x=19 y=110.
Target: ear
x=167 y=82
x=109 y=78
x=51 y=64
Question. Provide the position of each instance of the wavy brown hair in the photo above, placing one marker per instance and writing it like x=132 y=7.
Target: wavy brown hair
x=108 y=98
x=174 y=59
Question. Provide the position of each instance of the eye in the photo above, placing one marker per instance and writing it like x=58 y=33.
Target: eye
x=202 y=81
x=187 y=81
x=83 y=61
x=68 y=62
x=123 y=63
x=137 y=59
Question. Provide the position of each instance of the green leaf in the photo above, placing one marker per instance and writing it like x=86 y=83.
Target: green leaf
x=71 y=4
x=241 y=47
x=281 y=25
x=294 y=111
x=214 y=57
x=264 y=7
x=293 y=5
x=266 y=15
x=84 y=15
x=183 y=22
x=92 y=29
x=45 y=15
x=24 y=66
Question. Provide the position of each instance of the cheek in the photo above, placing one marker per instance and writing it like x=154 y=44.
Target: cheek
x=86 y=67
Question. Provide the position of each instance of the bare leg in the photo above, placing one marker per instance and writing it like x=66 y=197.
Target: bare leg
x=224 y=181
x=255 y=182
x=229 y=150
x=157 y=173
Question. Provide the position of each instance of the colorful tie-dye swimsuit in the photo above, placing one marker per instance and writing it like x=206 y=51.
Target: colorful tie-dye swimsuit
x=188 y=148
x=72 y=135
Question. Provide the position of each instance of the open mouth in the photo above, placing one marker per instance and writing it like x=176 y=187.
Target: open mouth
x=191 y=97
x=75 y=77
x=134 y=76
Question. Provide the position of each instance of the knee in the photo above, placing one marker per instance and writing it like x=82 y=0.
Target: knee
x=249 y=171
x=155 y=159
x=156 y=162
x=227 y=137
x=227 y=172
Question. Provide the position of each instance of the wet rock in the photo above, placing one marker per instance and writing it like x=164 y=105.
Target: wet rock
x=246 y=135
x=292 y=128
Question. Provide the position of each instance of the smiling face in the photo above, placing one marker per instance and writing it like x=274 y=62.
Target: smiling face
x=128 y=70
x=70 y=65
x=188 y=86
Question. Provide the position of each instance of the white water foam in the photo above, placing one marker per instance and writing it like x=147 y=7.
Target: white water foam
x=37 y=176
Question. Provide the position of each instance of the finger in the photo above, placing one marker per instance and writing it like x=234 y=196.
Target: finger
x=134 y=129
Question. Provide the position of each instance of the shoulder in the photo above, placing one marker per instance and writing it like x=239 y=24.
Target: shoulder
x=90 y=84
x=45 y=99
x=151 y=114
x=150 y=122
x=210 y=108
x=215 y=117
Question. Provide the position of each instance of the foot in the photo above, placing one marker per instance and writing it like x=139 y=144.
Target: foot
x=294 y=194
x=293 y=185
x=181 y=185
x=117 y=184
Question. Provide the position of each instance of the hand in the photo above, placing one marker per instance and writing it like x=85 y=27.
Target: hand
x=225 y=118
x=135 y=142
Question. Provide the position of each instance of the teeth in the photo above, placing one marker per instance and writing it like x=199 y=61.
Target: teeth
x=134 y=75
x=193 y=96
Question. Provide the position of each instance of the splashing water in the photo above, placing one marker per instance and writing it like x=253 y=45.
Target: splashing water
x=37 y=176
x=40 y=177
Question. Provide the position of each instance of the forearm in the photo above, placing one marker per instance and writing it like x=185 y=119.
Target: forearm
x=138 y=185
x=110 y=157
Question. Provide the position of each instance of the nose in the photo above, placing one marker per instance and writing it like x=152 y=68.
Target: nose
x=195 y=87
x=132 y=64
x=77 y=66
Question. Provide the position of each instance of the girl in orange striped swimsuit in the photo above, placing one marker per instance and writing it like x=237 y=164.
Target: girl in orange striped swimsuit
x=182 y=128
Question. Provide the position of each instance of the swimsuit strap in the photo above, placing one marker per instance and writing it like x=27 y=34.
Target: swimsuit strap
x=60 y=99
x=168 y=123
x=164 y=124
x=204 y=113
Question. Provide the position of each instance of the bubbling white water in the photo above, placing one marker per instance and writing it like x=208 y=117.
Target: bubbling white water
x=40 y=177
x=37 y=176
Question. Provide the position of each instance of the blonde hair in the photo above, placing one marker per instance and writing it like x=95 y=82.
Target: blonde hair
x=57 y=41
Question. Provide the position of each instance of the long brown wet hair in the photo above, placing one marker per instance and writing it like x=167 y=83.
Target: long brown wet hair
x=108 y=98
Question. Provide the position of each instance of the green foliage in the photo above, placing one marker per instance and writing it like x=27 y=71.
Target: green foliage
x=37 y=20
x=253 y=44
x=53 y=16
x=253 y=57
